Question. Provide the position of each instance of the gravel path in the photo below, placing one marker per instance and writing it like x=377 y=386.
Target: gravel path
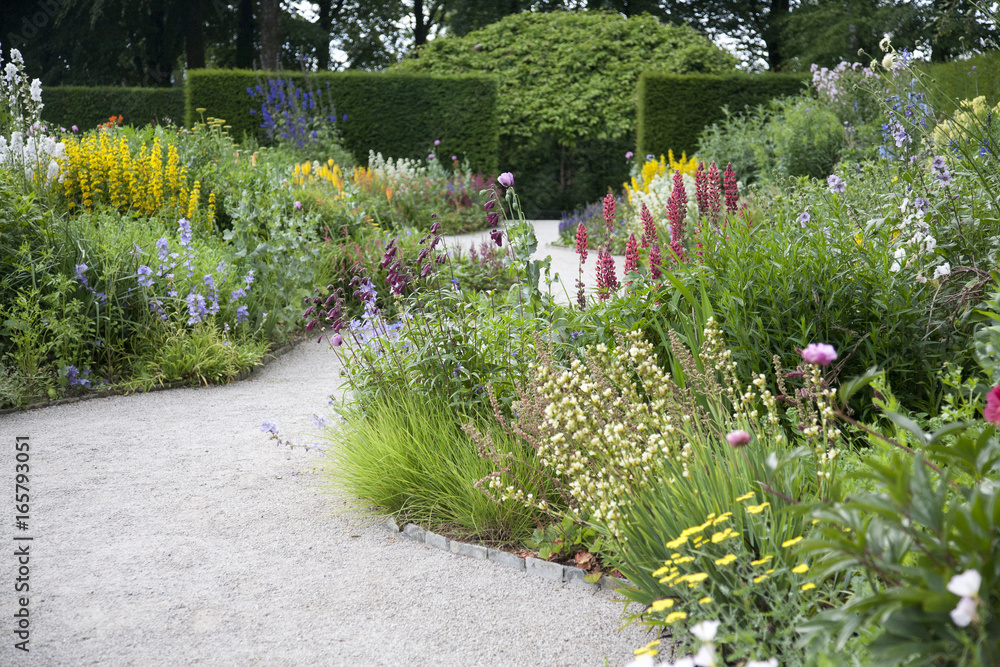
x=565 y=261
x=168 y=530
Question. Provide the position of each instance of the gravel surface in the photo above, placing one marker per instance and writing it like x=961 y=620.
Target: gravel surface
x=565 y=261
x=169 y=530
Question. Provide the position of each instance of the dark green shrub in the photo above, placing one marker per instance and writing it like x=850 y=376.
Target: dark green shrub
x=85 y=107
x=396 y=114
x=673 y=110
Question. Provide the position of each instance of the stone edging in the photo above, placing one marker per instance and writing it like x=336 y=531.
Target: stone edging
x=534 y=566
x=267 y=358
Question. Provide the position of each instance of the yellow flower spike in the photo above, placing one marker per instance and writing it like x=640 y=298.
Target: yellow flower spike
x=705 y=600
x=660 y=605
x=745 y=496
x=800 y=569
x=675 y=616
x=725 y=560
x=759 y=579
x=788 y=543
x=806 y=587
x=757 y=509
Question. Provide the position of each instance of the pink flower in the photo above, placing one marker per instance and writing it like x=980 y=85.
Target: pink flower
x=992 y=411
x=437 y=142
x=631 y=254
x=738 y=438
x=581 y=242
x=607 y=282
x=609 y=214
x=337 y=340
x=732 y=190
x=820 y=354
x=701 y=190
x=654 y=261
x=506 y=179
x=297 y=205
x=648 y=227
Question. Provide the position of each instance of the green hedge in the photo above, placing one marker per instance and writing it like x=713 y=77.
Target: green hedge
x=87 y=107
x=957 y=80
x=673 y=109
x=399 y=115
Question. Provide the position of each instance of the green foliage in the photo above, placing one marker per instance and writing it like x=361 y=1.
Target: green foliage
x=563 y=540
x=405 y=455
x=673 y=110
x=565 y=132
x=205 y=354
x=397 y=114
x=964 y=80
x=88 y=107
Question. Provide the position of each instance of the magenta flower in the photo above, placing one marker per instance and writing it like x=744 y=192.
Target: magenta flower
x=654 y=261
x=430 y=156
x=337 y=340
x=820 y=354
x=629 y=155
x=992 y=411
x=297 y=205
x=731 y=188
x=648 y=227
x=506 y=179
x=738 y=438
x=607 y=282
x=581 y=242
x=437 y=142
x=454 y=158
x=75 y=128
x=609 y=214
x=631 y=254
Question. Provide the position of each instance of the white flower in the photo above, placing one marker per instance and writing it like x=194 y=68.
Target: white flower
x=899 y=254
x=686 y=661
x=964 y=613
x=895 y=267
x=705 y=631
x=53 y=171
x=644 y=660
x=705 y=657
x=930 y=243
x=941 y=272
x=770 y=662
x=889 y=60
x=36 y=90
x=965 y=585
x=884 y=44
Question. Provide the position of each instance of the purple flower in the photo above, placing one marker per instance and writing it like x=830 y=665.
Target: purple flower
x=629 y=155
x=75 y=128
x=197 y=308
x=242 y=314
x=497 y=237
x=75 y=379
x=738 y=438
x=80 y=268
x=650 y=156
x=437 y=142
x=430 y=156
x=163 y=247
x=144 y=276
x=939 y=163
x=269 y=427
x=237 y=294
x=249 y=278
x=488 y=205
x=185 y=228
x=297 y=205
x=922 y=204
x=820 y=354
x=505 y=179
x=804 y=218
x=454 y=158
x=337 y=340
x=836 y=185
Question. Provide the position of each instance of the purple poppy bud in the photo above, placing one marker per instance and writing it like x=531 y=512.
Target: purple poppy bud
x=489 y=205
x=493 y=218
x=497 y=237
x=436 y=226
x=506 y=179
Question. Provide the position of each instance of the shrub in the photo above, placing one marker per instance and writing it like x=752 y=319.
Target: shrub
x=88 y=107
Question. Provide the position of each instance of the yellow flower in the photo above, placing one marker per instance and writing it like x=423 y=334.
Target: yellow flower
x=684 y=559
x=759 y=579
x=859 y=239
x=806 y=587
x=725 y=534
x=799 y=569
x=668 y=579
x=721 y=518
x=725 y=560
x=662 y=571
x=676 y=616
x=696 y=577
x=660 y=605
x=788 y=543
x=645 y=650
x=745 y=496
x=705 y=600
x=757 y=509
x=673 y=544
x=761 y=561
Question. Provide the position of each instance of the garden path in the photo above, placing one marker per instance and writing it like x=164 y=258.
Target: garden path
x=565 y=261
x=169 y=530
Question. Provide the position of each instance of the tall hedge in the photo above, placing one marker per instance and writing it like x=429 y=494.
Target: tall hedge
x=87 y=107
x=964 y=79
x=397 y=114
x=672 y=110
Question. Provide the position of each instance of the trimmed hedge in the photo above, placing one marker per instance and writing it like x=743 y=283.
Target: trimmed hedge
x=87 y=107
x=957 y=80
x=397 y=114
x=673 y=109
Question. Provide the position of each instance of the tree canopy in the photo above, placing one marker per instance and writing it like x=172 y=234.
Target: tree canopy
x=591 y=62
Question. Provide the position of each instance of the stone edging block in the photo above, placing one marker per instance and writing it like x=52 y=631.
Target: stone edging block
x=534 y=566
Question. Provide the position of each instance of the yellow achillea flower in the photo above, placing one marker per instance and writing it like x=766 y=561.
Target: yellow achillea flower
x=660 y=605
x=668 y=579
x=721 y=518
x=759 y=579
x=725 y=560
x=761 y=561
x=676 y=616
x=705 y=600
x=757 y=509
x=788 y=543
x=673 y=544
x=662 y=571
x=683 y=559
x=799 y=569
x=806 y=587
x=723 y=535
x=745 y=496
x=697 y=577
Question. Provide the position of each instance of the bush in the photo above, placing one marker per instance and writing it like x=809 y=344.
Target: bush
x=673 y=110
x=87 y=107
x=397 y=114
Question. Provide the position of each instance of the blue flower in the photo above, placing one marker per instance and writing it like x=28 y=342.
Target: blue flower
x=242 y=314
x=163 y=247
x=185 y=229
x=144 y=276
x=269 y=427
